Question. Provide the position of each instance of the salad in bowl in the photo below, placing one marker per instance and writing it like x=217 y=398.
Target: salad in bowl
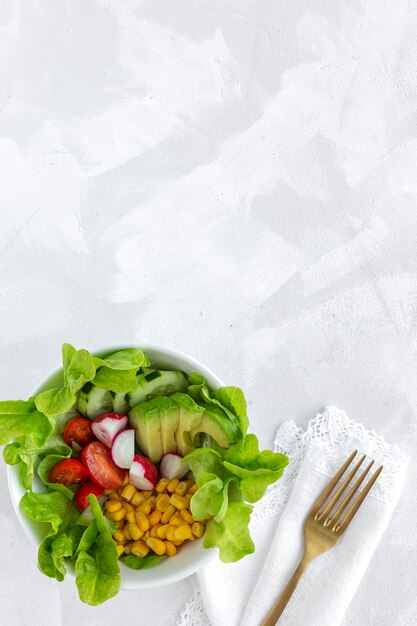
x=130 y=465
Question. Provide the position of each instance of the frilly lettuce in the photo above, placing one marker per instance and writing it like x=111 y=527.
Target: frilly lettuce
x=216 y=469
x=97 y=571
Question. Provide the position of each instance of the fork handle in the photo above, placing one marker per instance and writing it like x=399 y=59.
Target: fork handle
x=279 y=606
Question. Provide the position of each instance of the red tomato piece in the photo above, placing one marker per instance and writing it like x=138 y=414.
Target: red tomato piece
x=78 y=430
x=100 y=466
x=67 y=472
x=84 y=491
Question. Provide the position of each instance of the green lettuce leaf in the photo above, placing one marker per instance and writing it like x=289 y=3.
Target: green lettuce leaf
x=212 y=498
x=137 y=562
x=128 y=359
x=19 y=418
x=116 y=380
x=203 y=461
x=97 y=571
x=254 y=470
x=233 y=398
x=55 y=401
x=196 y=382
x=231 y=535
x=225 y=478
x=23 y=452
x=56 y=549
x=68 y=352
x=52 y=508
x=79 y=370
x=88 y=538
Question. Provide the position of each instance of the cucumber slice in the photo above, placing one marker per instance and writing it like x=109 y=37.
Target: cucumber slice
x=120 y=404
x=157 y=383
x=93 y=401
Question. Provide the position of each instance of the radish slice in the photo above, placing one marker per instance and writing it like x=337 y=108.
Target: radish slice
x=172 y=466
x=123 y=448
x=107 y=426
x=142 y=473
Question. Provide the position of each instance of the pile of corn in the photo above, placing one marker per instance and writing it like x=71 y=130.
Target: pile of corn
x=157 y=521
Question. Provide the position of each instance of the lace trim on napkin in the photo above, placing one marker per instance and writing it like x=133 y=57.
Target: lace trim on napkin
x=332 y=436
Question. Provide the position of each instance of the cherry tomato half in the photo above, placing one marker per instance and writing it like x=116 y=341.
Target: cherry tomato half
x=67 y=472
x=96 y=458
x=84 y=491
x=78 y=430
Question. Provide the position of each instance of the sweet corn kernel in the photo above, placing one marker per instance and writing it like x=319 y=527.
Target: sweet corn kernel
x=155 y=517
x=171 y=550
x=188 y=497
x=181 y=489
x=145 y=507
x=146 y=535
x=186 y=516
x=119 y=536
x=152 y=532
x=137 y=499
x=179 y=502
x=127 y=506
x=108 y=492
x=193 y=489
x=128 y=547
x=198 y=529
x=139 y=548
x=190 y=483
x=176 y=519
x=147 y=494
x=125 y=479
x=156 y=545
x=162 y=485
x=135 y=532
x=118 y=515
x=192 y=538
x=172 y=485
x=120 y=549
x=166 y=515
x=112 y=506
x=177 y=543
x=128 y=491
x=142 y=521
x=127 y=532
x=163 y=502
x=161 y=531
x=170 y=533
x=130 y=516
x=152 y=501
x=115 y=496
x=182 y=532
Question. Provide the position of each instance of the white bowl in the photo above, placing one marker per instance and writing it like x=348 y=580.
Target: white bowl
x=192 y=555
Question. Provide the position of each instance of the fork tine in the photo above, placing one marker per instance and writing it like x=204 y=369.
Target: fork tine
x=342 y=506
x=361 y=497
x=331 y=484
x=339 y=491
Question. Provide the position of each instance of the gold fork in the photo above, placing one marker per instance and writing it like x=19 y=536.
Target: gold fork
x=324 y=526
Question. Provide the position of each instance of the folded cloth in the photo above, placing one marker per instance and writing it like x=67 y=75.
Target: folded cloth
x=241 y=594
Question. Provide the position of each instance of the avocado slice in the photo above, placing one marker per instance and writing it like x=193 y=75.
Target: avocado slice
x=190 y=416
x=169 y=414
x=145 y=417
x=216 y=424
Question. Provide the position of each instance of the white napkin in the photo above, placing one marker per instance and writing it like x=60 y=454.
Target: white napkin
x=242 y=593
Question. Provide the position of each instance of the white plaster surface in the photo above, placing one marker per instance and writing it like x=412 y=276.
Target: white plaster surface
x=235 y=179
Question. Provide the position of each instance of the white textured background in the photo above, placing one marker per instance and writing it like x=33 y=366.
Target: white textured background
x=236 y=179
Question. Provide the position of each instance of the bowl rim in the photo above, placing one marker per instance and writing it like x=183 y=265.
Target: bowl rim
x=206 y=556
